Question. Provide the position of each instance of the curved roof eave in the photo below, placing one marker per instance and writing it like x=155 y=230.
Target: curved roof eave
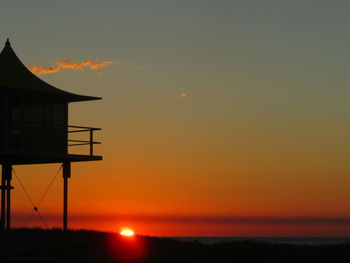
x=78 y=98
x=14 y=74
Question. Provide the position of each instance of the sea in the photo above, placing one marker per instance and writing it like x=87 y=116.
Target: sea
x=275 y=240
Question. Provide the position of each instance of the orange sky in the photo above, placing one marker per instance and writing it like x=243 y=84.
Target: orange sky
x=210 y=110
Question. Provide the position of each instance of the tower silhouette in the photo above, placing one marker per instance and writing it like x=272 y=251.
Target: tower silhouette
x=34 y=127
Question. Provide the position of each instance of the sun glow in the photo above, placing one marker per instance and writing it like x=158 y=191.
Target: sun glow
x=127 y=232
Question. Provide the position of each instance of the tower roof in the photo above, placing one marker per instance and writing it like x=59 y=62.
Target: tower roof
x=14 y=75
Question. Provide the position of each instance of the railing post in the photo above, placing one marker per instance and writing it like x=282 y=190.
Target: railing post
x=91 y=143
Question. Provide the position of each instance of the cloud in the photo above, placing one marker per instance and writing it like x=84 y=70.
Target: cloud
x=141 y=68
x=234 y=220
x=40 y=70
x=92 y=64
x=224 y=220
x=100 y=65
x=184 y=95
x=70 y=64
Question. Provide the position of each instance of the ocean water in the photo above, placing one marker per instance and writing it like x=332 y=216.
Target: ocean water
x=274 y=240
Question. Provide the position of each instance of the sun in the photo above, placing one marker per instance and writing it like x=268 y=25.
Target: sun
x=127 y=232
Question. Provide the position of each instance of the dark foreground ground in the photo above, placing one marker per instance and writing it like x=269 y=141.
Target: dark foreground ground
x=35 y=245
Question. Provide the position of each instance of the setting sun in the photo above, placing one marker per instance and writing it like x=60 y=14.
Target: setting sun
x=127 y=232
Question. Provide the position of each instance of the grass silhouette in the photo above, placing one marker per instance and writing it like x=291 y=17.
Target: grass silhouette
x=38 y=245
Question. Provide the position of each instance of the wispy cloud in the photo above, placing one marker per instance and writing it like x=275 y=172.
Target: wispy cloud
x=184 y=95
x=141 y=68
x=70 y=64
x=225 y=220
x=101 y=65
x=40 y=70
x=92 y=64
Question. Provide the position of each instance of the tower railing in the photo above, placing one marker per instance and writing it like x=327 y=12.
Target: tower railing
x=83 y=129
x=26 y=137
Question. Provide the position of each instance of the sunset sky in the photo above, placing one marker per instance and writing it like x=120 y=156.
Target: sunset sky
x=225 y=117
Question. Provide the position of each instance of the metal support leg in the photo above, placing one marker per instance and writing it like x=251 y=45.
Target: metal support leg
x=66 y=175
x=3 y=200
x=8 y=205
x=7 y=172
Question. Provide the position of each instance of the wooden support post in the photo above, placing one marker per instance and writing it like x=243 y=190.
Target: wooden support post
x=66 y=175
x=8 y=204
x=3 y=199
x=7 y=172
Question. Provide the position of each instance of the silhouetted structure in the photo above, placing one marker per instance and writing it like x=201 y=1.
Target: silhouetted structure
x=34 y=127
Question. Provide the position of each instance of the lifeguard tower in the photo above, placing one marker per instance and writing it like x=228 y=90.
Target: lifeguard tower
x=34 y=127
